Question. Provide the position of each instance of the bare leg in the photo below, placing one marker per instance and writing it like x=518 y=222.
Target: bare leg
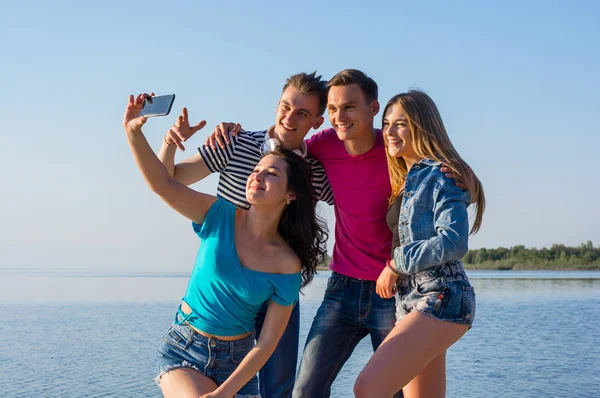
x=185 y=383
x=413 y=343
x=430 y=382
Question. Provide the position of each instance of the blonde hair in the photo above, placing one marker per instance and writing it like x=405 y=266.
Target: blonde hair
x=430 y=140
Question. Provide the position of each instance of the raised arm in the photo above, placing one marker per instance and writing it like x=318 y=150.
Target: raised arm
x=192 y=169
x=191 y=204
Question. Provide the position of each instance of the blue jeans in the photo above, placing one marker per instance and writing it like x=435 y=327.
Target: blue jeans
x=183 y=347
x=351 y=310
x=276 y=378
x=442 y=292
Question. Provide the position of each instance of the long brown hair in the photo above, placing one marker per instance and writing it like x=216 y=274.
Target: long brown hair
x=430 y=140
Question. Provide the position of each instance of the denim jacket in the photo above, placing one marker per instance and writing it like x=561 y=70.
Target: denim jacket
x=434 y=224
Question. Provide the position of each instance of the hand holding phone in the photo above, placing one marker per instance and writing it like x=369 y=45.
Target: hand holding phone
x=132 y=122
x=157 y=105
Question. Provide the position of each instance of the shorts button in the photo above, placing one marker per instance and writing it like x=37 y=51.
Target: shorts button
x=213 y=343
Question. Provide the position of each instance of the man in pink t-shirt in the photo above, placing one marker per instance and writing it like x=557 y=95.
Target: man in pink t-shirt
x=353 y=155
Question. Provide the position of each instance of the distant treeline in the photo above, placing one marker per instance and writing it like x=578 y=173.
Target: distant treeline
x=557 y=257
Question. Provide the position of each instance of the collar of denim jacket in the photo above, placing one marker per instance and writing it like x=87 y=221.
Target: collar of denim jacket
x=430 y=162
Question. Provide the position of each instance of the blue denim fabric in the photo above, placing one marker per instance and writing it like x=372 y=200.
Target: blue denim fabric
x=442 y=292
x=183 y=347
x=276 y=378
x=351 y=309
x=434 y=224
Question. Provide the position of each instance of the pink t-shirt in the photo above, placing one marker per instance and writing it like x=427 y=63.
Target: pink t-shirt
x=361 y=188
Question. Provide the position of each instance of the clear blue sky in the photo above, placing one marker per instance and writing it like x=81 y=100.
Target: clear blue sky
x=517 y=84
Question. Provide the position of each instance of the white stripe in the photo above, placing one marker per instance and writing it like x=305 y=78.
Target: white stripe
x=237 y=162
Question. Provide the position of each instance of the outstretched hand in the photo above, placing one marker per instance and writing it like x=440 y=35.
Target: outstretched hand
x=220 y=135
x=181 y=131
x=132 y=121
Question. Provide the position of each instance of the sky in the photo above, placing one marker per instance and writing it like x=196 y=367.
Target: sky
x=517 y=85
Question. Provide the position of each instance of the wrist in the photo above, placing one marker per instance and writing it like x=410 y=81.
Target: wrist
x=222 y=392
x=133 y=132
x=391 y=268
x=166 y=141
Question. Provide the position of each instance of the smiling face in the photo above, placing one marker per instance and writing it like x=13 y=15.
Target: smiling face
x=268 y=183
x=297 y=113
x=350 y=114
x=397 y=133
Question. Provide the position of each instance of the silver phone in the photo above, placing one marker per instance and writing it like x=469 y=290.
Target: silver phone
x=157 y=106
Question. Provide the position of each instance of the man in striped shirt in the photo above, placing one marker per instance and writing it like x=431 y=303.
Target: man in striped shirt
x=300 y=108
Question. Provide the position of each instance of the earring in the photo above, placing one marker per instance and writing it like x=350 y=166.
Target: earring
x=288 y=200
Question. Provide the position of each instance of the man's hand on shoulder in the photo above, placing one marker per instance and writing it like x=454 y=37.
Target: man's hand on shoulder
x=448 y=172
x=220 y=135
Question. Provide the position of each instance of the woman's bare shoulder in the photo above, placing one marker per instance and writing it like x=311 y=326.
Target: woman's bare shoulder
x=288 y=261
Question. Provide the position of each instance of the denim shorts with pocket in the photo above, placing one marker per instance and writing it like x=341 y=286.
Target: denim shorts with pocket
x=442 y=292
x=183 y=347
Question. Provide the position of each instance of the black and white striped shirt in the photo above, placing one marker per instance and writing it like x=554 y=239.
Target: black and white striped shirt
x=236 y=162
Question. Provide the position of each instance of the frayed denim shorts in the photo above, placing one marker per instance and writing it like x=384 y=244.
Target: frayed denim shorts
x=183 y=347
x=442 y=292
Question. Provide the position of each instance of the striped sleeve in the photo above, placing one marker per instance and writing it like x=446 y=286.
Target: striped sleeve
x=234 y=164
x=320 y=182
x=217 y=160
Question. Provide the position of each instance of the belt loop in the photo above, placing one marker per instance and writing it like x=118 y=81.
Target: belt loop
x=454 y=267
x=190 y=338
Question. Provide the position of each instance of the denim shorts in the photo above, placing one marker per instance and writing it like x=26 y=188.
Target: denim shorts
x=183 y=347
x=442 y=292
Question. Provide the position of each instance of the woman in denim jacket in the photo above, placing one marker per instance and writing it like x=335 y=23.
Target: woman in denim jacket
x=428 y=214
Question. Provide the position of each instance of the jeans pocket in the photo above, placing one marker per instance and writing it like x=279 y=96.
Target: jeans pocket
x=468 y=304
x=431 y=286
x=237 y=355
x=177 y=337
x=333 y=284
x=401 y=311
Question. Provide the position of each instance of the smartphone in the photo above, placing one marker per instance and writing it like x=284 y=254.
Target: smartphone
x=158 y=106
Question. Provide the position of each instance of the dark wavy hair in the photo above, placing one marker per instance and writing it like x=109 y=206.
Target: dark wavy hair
x=300 y=226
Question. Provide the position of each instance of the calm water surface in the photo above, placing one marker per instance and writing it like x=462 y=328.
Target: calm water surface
x=76 y=334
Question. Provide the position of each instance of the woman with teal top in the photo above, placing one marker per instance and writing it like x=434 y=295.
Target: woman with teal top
x=435 y=303
x=246 y=258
